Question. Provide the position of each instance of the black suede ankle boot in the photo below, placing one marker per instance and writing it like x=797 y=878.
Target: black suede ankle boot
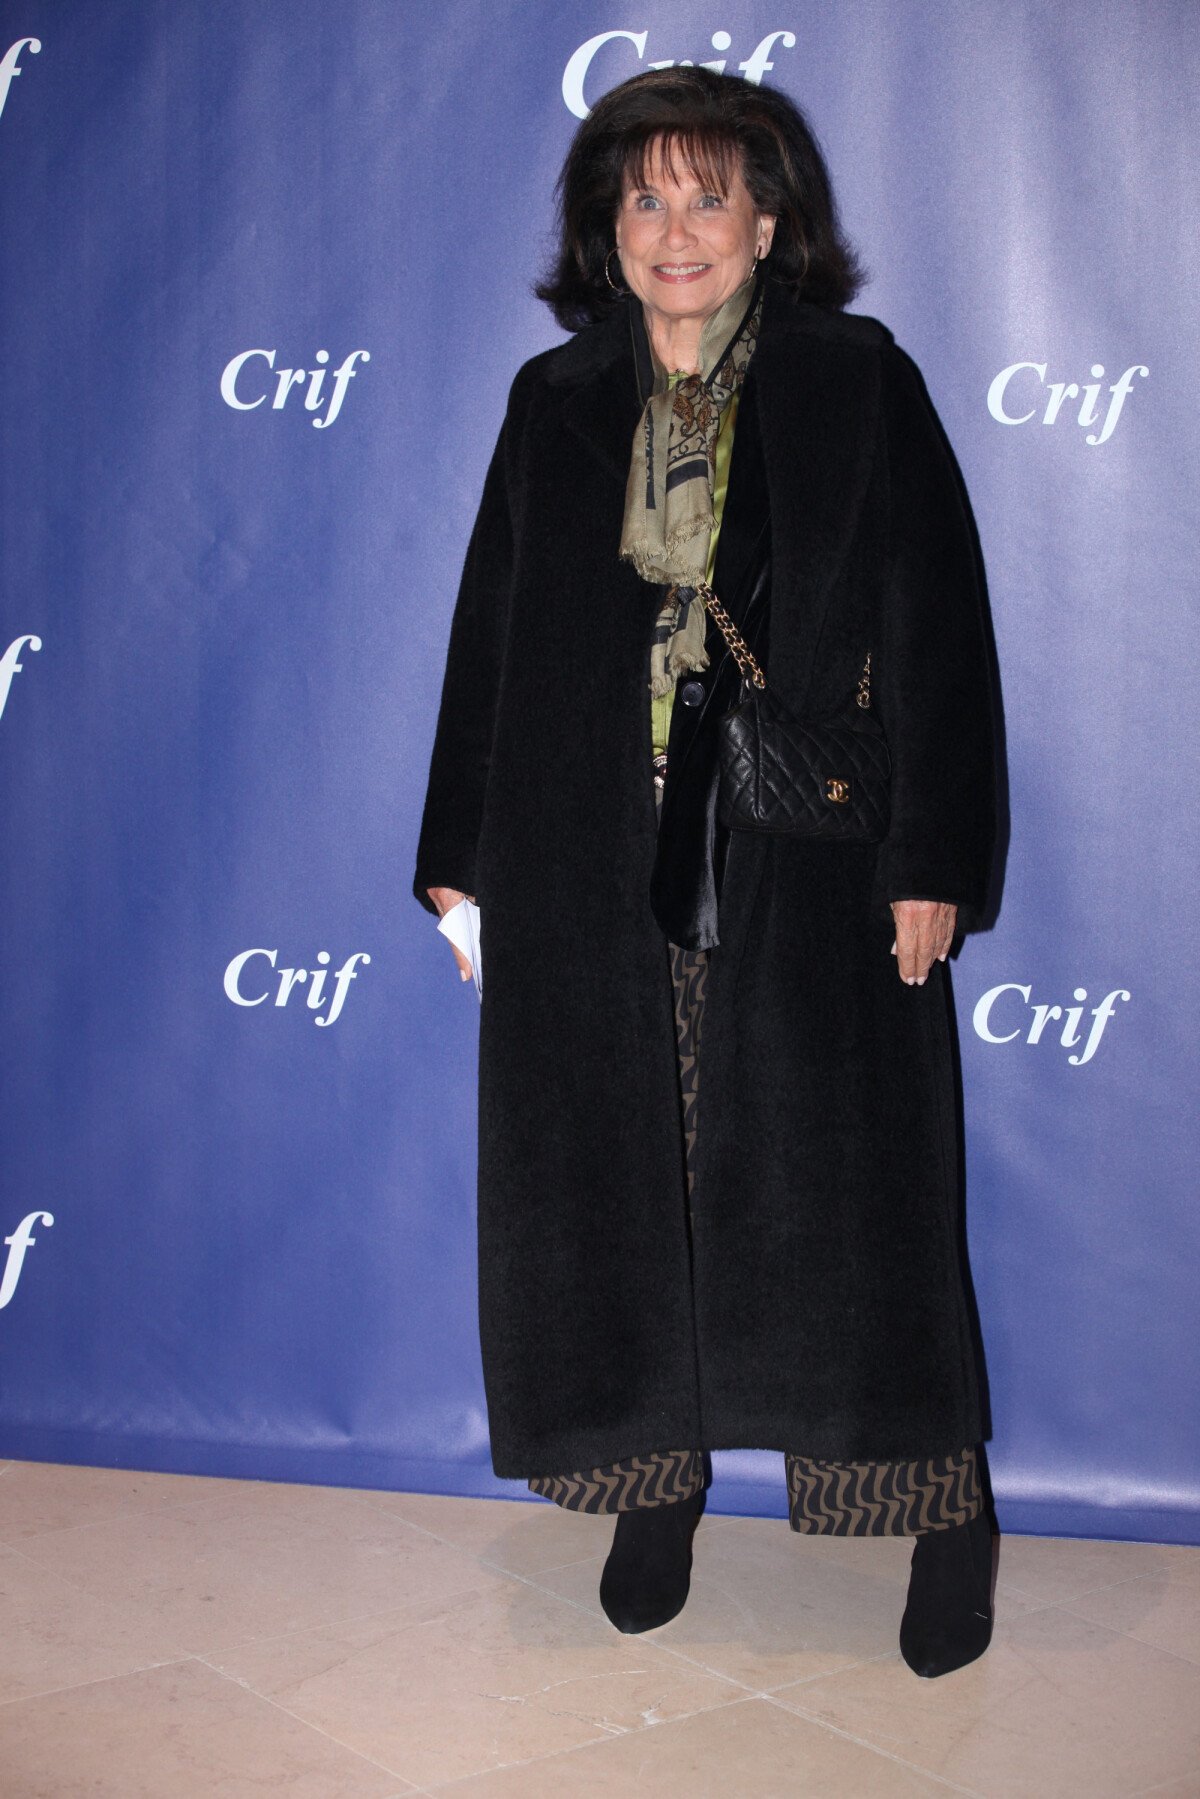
x=648 y=1571
x=948 y=1619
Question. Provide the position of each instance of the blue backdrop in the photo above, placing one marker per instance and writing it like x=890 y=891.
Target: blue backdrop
x=245 y=248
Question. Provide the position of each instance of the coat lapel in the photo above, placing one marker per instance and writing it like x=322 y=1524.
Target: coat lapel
x=603 y=408
x=746 y=501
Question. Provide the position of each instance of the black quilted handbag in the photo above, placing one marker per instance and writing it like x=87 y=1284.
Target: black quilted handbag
x=823 y=778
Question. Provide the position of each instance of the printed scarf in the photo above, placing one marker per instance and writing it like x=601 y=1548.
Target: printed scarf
x=669 y=495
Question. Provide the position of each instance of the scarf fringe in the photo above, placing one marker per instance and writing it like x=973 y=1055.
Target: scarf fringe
x=652 y=560
x=683 y=661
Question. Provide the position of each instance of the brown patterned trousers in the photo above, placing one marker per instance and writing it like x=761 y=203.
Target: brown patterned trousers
x=839 y=1499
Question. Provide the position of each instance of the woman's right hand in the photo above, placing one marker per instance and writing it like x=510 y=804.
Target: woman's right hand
x=444 y=898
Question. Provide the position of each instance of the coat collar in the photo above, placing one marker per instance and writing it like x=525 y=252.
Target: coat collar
x=603 y=407
x=816 y=380
x=608 y=375
x=807 y=343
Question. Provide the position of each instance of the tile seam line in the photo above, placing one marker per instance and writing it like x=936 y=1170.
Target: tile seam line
x=1123 y=1581
x=165 y=1511
x=747 y=1687
x=886 y=1754
x=1105 y=1586
x=42 y=1567
x=245 y=1642
x=1067 y=1605
x=449 y=1543
x=281 y=1636
x=419 y=1623
x=808 y=1680
x=369 y=1499
x=1125 y=1636
x=608 y=1734
x=743 y=1687
x=78 y=1686
x=742 y=1698
x=147 y=1511
x=277 y=1705
x=1176 y=1655
x=60 y=1530
x=474 y=1555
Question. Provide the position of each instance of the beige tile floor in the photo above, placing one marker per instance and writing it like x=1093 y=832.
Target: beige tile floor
x=168 y=1636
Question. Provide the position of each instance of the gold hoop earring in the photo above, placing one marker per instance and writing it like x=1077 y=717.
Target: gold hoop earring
x=617 y=290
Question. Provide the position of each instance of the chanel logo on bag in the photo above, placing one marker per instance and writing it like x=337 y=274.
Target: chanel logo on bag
x=837 y=792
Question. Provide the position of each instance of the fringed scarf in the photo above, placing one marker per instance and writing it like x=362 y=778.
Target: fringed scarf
x=669 y=496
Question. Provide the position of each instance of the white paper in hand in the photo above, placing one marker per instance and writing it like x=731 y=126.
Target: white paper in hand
x=461 y=925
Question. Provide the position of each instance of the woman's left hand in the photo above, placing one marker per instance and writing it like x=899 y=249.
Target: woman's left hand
x=924 y=933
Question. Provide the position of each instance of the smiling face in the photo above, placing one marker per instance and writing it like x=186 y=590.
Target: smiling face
x=686 y=246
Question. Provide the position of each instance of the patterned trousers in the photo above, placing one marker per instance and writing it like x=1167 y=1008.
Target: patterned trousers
x=840 y=1499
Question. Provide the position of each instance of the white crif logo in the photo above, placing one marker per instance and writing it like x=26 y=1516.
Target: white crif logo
x=285 y=380
x=238 y=970
x=21 y=1240
x=11 y=664
x=999 y=1018
x=1013 y=397
x=756 y=65
x=10 y=66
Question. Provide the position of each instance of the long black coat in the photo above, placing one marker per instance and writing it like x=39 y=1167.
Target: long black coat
x=819 y=1306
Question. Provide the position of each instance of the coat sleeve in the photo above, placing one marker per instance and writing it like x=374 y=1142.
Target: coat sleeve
x=462 y=746
x=931 y=669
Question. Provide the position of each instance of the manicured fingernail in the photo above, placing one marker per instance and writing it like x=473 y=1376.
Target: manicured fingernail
x=893 y=949
x=921 y=980
x=463 y=975
x=910 y=980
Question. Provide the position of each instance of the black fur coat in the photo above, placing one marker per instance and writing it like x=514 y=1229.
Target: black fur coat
x=820 y=1305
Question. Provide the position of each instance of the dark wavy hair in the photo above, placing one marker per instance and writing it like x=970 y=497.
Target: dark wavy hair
x=714 y=124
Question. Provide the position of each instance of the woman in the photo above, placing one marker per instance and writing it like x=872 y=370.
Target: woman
x=776 y=1264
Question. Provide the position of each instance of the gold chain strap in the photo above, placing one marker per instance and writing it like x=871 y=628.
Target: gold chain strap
x=863 y=696
x=747 y=667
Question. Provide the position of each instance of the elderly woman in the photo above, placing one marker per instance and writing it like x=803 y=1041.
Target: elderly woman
x=769 y=1254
